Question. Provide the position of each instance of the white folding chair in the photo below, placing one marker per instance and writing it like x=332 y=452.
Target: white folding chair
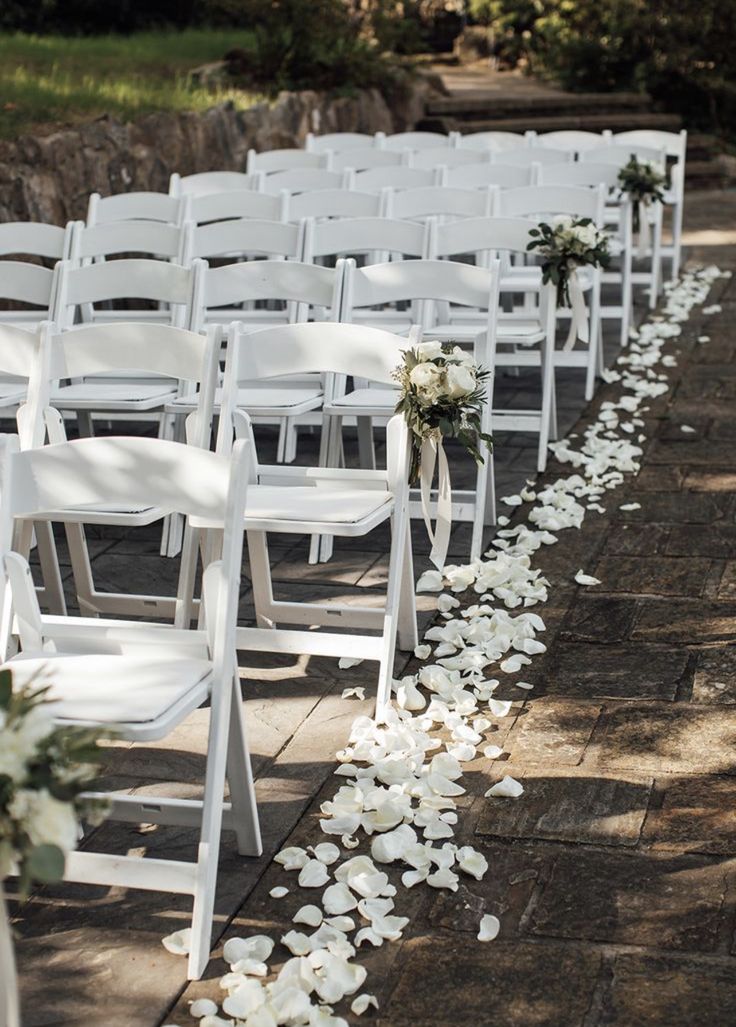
x=232 y=204
x=325 y=501
x=434 y=285
x=444 y=156
x=206 y=182
x=141 y=680
x=527 y=155
x=438 y=201
x=674 y=145
x=29 y=284
x=334 y=203
x=270 y=161
x=365 y=158
x=618 y=155
x=308 y=292
x=420 y=140
x=301 y=180
x=492 y=140
x=338 y=142
x=24 y=360
x=576 y=140
x=617 y=215
x=93 y=355
x=138 y=206
x=399 y=177
x=35 y=239
x=481 y=176
x=542 y=203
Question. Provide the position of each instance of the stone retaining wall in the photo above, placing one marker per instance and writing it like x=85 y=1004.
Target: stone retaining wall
x=49 y=177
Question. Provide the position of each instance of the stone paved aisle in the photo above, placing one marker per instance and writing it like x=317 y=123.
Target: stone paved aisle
x=613 y=876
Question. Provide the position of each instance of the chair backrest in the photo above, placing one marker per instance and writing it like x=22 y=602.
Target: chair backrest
x=674 y=144
x=533 y=155
x=234 y=203
x=576 y=140
x=35 y=239
x=19 y=349
x=492 y=141
x=365 y=236
x=480 y=176
x=541 y=201
x=620 y=154
x=334 y=203
x=337 y=142
x=207 y=182
x=481 y=236
x=238 y=239
x=419 y=140
x=285 y=160
x=444 y=156
x=438 y=201
x=365 y=158
x=304 y=285
x=300 y=180
x=139 y=206
x=428 y=281
x=163 y=241
x=585 y=173
x=400 y=177
x=155 y=281
x=27 y=283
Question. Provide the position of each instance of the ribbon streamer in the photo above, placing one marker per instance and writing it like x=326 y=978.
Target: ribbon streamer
x=579 y=320
x=433 y=453
x=644 y=235
x=9 y=1010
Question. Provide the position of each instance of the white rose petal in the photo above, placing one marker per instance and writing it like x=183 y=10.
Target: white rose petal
x=309 y=914
x=507 y=788
x=178 y=943
x=430 y=581
x=489 y=928
x=278 y=892
x=586 y=579
x=362 y=1002
x=313 y=874
x=202 y=1007
x=353 y=693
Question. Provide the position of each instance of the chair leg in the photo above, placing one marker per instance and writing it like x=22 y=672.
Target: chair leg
x=366 y=449
x=408 y=630
x=399 y=527
x=81 y=568
x=290 y=442
x=209 y=839
x=626 y=297
x=240 y=780
x=260 y=576
x=676 y=239
x=479 y=509
x=49 y=561
x=547 y=402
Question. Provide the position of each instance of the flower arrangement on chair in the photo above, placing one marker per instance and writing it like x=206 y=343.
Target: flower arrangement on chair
x=43 y=771
x=644 y=182
x=565 y=245
x=442 y=395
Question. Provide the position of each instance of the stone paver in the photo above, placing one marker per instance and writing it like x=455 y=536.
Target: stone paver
x=613 y=876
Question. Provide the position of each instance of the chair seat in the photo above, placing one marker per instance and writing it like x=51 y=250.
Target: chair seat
x=108 y=690
x=285 y=400
x=353 y=509
x=519 y=278
x=118 y=396
x=365 y=401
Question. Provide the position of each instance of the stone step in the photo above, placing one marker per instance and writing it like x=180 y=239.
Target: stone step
x=468 y=102
x=710 y=174
x=619 y=121
x=702 y=147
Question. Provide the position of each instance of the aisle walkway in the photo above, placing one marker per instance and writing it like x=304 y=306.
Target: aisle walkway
x=613 y=876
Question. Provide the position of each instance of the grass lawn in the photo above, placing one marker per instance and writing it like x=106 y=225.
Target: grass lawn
x=48 y=80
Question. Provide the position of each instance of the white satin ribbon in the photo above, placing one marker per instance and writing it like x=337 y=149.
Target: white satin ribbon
x=433 y=453
x=579 y=320
x=644 y=233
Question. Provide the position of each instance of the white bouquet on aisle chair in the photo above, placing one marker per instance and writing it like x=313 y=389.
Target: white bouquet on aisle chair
x=565 y=245
x=443 y=394
x=44 y=769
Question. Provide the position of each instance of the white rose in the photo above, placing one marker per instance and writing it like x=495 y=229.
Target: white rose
x=587 y=235
x=426 y=378
x=45 y=820
x=19 y=744
x=460 y=380
x=429 y=350
x=561 y=222
x=462 y=356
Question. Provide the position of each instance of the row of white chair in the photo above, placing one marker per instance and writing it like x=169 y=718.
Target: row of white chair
x=141 y=680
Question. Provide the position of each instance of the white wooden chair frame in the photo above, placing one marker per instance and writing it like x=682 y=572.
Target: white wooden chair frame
x=117 y=470
x=335 y=350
